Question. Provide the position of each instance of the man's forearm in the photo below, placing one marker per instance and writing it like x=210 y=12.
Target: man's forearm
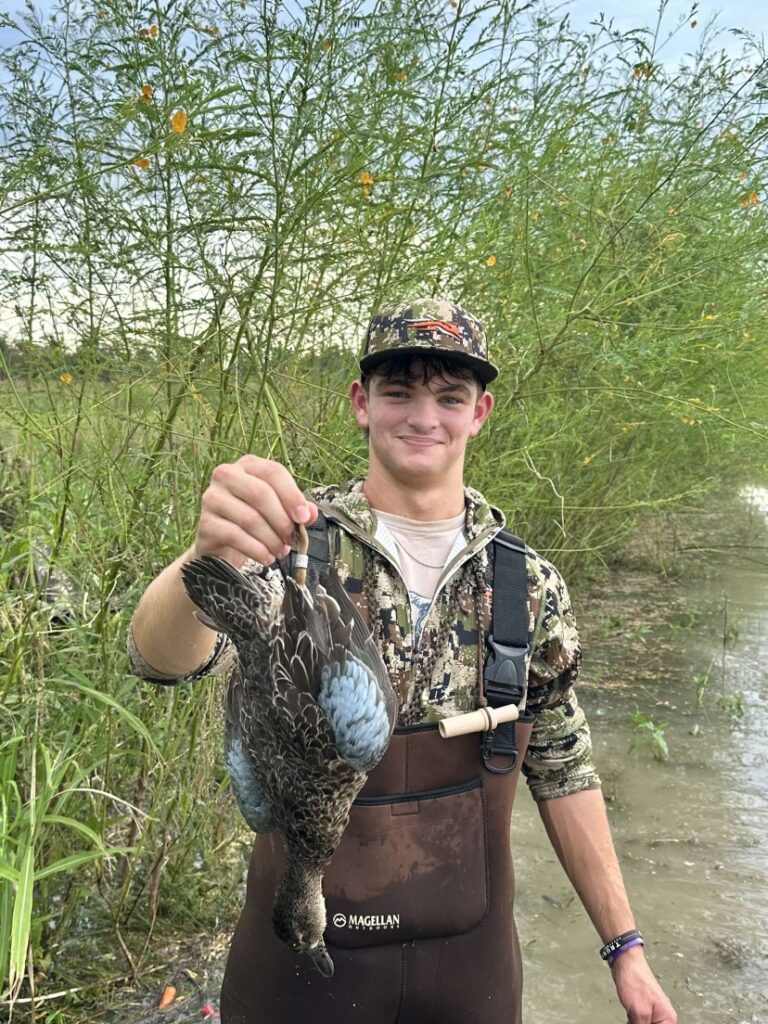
x=578 y=829
x=165 y=631
x=577 y=826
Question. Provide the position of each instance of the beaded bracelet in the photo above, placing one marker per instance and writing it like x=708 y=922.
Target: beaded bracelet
x=622 y=941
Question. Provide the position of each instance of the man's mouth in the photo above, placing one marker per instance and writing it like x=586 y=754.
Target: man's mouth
x=420 y=442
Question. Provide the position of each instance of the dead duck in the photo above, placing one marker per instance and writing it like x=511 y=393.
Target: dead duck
x=310 y=711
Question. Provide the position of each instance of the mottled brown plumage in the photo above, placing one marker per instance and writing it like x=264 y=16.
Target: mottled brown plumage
x=310 y=711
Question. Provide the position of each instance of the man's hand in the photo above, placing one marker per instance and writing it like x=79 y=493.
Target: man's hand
x=249 y=510
x=639 y=992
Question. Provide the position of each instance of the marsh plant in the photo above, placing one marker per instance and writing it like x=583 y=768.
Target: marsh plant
x=650 y=734
x=201 y=204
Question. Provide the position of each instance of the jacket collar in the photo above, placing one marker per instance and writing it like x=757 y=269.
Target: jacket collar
x=349 y=499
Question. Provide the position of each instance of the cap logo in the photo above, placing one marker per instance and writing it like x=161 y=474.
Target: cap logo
x=435 y=327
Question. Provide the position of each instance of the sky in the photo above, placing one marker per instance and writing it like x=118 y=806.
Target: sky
x=751 y=15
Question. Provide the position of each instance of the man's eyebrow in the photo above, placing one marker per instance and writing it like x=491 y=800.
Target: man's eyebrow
x=454 y=387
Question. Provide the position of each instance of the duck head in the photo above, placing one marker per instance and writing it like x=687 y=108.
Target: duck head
x=298 y=915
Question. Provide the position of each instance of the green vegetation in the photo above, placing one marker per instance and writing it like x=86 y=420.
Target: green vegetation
x=201 y=205
x=649 y=734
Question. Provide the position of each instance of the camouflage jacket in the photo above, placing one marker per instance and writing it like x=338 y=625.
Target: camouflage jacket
x=442 y=675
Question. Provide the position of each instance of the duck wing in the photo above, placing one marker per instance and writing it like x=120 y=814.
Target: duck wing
x=355 y=690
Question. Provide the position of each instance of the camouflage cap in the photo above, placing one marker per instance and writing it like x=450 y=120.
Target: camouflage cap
x=434 y=325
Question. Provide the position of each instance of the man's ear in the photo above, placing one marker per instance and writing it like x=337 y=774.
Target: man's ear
x=358 y=396
x=482 y=412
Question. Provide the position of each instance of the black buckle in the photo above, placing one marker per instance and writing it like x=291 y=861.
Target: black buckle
x=504 y=679
x=504 y=673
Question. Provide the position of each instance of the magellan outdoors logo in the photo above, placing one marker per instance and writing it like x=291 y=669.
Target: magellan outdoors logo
x=366 y=921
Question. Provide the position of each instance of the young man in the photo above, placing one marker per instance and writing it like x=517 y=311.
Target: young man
x=420 y=892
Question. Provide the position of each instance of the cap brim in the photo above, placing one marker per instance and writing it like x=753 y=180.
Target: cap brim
x=485 y=370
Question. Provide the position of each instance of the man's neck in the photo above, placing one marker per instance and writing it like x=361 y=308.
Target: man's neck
x=426 y=504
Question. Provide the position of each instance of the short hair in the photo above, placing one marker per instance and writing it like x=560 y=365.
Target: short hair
x=433 y=364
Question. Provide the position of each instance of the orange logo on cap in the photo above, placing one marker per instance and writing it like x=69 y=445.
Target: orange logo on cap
x=435 y=325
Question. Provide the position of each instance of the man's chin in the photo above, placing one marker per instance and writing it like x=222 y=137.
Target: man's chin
x=420 y=470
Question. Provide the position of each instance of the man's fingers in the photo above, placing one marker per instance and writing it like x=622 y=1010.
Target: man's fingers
x=223 y=509
x=232 y=483
x=231 y=535
x=295 y=506
x=256 y=499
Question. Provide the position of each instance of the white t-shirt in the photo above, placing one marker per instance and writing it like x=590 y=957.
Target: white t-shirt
x=421 y=551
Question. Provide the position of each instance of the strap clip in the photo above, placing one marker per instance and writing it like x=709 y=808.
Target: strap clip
x=504 y=743
x=505 y=676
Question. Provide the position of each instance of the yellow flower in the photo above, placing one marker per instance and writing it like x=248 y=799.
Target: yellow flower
x=491 y=261
x=326 y=44
x=147 y=92
x=587 y=459
x=66 y=378
x=672 y=211
x=179 y=122
x=142 y=163
x=366 y=178
x=153 y=30
x=402 y=75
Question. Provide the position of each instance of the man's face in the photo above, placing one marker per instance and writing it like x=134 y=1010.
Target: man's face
x=420 y=430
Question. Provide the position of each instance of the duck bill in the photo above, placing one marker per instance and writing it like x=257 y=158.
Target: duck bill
x=322 y=961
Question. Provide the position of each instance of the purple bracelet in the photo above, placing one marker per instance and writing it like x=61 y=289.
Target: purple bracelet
x=623 y=949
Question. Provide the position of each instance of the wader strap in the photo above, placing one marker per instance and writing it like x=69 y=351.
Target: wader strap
x=506 y=644
x=319 y=557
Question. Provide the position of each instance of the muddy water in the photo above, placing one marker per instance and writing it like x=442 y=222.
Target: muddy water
x=692 y=831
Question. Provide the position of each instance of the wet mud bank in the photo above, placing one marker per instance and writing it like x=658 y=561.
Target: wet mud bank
x=677 y=666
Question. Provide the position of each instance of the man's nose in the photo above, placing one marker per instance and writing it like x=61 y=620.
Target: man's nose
x=423 y=413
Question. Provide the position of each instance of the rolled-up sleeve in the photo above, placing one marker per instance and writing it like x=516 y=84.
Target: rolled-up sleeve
x=558 y=761
x=221 y=660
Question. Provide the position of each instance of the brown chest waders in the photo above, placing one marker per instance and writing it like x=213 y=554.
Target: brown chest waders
x=419 y=893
